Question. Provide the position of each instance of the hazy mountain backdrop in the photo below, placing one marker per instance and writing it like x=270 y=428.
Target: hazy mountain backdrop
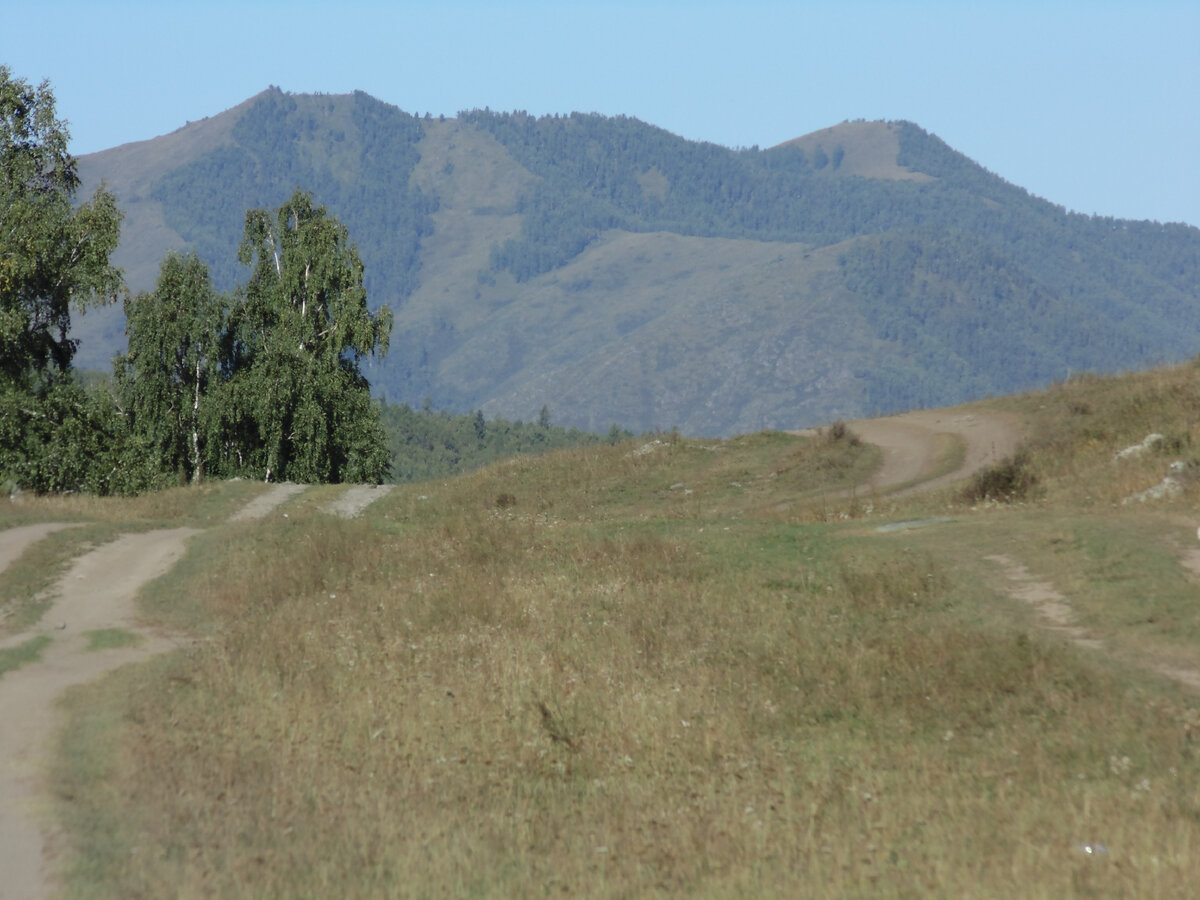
x=616 y=273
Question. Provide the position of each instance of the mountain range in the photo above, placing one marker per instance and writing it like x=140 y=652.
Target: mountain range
x=614 y=273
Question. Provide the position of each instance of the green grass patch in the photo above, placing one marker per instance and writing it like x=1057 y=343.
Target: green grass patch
x=111 y=638
x=30 y=651
x=27 y=584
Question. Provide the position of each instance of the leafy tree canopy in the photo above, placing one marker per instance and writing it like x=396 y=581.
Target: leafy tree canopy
x=265 y=382
x=175 y=356
x=53 y=255
x=301 y=327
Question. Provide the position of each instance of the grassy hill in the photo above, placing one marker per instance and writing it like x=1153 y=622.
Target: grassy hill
x=678 y=667
x=616 y=273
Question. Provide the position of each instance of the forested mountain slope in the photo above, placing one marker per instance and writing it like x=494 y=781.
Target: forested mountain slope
x=617 y=273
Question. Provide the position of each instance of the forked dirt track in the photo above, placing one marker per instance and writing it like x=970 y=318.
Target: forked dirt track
x=99 y=590
x=919 y=451
x=914 y=445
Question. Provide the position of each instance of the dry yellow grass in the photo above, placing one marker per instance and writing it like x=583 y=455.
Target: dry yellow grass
x=572 y=676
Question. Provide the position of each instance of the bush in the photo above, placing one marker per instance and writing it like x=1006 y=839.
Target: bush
x=840 y=431
x=1009 y=480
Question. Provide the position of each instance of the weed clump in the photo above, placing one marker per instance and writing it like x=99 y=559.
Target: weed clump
x=840 y=432
x=1007 y=481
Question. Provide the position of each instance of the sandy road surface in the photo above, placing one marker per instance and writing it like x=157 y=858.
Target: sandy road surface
x=356 y=498
x=97 y=592
x=264 y=503
x=913 y=444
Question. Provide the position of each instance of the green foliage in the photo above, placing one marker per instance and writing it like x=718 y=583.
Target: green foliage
x=300 y=328
x=175 y=337
x=53 y=434
x=425 y=444
x=51 y=254
x=64 y=438
x=266 y=383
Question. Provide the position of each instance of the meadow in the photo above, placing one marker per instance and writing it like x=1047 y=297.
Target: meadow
x=667 y=667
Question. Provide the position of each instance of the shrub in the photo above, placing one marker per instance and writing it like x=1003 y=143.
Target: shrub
x=1009 y=480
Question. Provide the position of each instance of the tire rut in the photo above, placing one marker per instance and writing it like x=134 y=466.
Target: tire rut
x=1055 y=612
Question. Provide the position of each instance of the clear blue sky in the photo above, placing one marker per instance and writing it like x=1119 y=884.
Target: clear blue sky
x=1095 y=106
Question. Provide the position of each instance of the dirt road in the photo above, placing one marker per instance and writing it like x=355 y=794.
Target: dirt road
x=914 y=444
x=99 y=589
x=96 y=593
x=356 y=498
x=262 y=505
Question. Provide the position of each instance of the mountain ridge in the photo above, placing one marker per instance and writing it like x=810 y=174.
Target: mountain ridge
x=617 y=273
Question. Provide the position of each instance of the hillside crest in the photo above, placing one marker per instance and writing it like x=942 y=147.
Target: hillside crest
x=867 y=149
x=617 y=273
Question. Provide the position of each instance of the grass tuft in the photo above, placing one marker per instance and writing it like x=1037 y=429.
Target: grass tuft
x=111 y=638
x=30 y=651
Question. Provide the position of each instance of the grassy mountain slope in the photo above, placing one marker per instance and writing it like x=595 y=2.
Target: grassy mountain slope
x=620 y=274
x=867 y=149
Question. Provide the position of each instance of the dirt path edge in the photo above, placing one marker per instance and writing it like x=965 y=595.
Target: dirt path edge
x=97 y=592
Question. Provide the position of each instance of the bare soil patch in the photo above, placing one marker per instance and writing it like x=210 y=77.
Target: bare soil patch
x=356 y=498
x=1051 y=606
x=262 y=505
x=914 y=446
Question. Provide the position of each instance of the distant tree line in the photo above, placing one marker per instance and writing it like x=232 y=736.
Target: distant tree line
x=428 y=444
x=597 y=173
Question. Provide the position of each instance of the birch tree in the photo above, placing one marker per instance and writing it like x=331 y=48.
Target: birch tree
x=175 y=335
x=299 y=330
